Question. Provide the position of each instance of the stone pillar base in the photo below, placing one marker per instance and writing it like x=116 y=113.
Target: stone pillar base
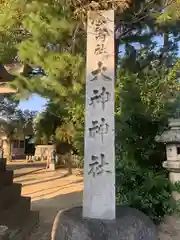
x=130 y=224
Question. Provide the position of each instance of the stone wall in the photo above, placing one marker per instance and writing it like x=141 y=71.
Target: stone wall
x=42 y=152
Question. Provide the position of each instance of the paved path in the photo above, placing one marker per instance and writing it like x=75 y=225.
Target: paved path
x=50 y=192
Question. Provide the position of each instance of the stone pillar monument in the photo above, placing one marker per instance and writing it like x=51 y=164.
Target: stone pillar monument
x=99 y=218
x=99 y=163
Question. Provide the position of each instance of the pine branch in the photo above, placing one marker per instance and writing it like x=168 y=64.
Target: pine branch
x=5 y=76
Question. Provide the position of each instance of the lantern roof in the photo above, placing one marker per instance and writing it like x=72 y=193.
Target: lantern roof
x=172 y=135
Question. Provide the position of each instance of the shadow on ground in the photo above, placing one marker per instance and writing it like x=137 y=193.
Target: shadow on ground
x=53 y=190
x=18 y=165
x=47 y=180
x=21 y=169
x=16 y=175
x=48 y=210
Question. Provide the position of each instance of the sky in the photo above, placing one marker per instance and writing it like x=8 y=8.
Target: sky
x=34 y=103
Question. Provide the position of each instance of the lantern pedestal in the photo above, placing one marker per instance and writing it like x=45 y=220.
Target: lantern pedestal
x=174 y=174
x=175 y=177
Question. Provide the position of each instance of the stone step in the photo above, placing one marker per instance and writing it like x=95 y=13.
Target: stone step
x=9 y=195
x=14 y=215
x=24 y=231
x=6 y=178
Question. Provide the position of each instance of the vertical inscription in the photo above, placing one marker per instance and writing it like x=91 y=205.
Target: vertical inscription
x=99 y=129
x=99 y=164
x=99 y=96
x=100 y=71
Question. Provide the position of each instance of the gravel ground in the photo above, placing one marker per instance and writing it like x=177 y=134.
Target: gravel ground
x=41 y=233
x=170 y=229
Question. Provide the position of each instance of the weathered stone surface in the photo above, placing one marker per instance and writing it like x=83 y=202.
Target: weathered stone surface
x=130 y=224
x=172 y=166
x=99 y=155
x=169 y=229
x=173 y=134
x=169 y=136
x=4 y=232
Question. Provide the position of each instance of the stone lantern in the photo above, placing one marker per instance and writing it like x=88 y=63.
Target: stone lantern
x=171 y=138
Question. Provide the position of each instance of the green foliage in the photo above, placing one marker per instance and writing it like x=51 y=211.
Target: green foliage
x=46 y=122
x=144 y=188
x=171 y=13
x=145 y=100
x=60 y=121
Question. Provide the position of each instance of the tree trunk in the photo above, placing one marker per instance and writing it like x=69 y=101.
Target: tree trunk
x=69 y=162
x=165 y=48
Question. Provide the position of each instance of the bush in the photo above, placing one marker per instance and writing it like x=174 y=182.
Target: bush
x=142 y=113
x=145 y=189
